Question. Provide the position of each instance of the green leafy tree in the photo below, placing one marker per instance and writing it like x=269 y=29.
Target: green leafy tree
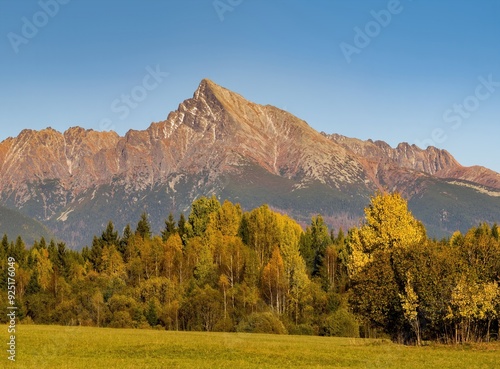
x=227 y=219
x=377 y=285
x=200 y=213
x=260 y=232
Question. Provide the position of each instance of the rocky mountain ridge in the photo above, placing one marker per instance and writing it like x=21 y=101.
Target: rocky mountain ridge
x=215 y=142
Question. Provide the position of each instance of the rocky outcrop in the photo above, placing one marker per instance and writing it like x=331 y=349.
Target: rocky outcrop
x=385 y=164
x=212 y=141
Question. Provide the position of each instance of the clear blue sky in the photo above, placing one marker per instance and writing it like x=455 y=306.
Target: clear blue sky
x=406 y=84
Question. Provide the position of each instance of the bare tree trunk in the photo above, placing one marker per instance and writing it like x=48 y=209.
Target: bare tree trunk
x=225 y=302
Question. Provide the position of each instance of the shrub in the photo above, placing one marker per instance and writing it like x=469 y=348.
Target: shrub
x=301 y=329
x=261 y=323
x=121 y=319
x=341 y=323
x=27 y=321
x=224 y=325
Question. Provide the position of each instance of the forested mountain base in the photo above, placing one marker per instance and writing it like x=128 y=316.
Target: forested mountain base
x=222 y=269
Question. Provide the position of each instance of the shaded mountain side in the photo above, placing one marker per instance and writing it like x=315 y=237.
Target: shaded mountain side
x=447 y=206
x=14 y=224
x=217 y=142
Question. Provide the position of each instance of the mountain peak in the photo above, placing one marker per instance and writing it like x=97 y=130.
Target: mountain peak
x=211 y=91
x=205 y=88
x=216 y=142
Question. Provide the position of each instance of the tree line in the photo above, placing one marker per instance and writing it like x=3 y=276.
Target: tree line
x=224 y=269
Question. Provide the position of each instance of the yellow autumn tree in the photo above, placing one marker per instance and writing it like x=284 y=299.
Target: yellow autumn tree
x=274 y=282
x=112 y=262
x=409 y=302
x=43 y=267
x=260 y=232
x=388 y=225
x=172 y=257
x=294 y=266
x=226 y=219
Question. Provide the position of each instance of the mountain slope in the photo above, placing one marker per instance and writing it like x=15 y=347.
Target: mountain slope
x=218 y=142
x=13 y=224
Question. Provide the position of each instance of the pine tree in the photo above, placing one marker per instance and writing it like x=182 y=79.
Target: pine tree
x=182 y=228
x=170 y=228
x=110 y=236
x=19 y=251
x=62 y=262
x=320 y=240
x=5 y=244
x=33 y=284
x=151 y=314
x=340 y=240
x=313 y=244
x=43 y=243
x=143 y=227
x=125 y=239
x=52 y=251
x=95 y=255
x=495 y=232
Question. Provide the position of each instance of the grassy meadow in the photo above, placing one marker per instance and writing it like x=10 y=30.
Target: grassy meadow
x=83 y=347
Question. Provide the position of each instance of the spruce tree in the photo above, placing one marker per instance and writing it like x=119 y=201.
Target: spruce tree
x=169 y=228
x=182 y=228
x=95 y=255
x=125 y=239
x=110 y=236
x=5 y=245
x=19 y=251
x=151 y=314
x=143 y=227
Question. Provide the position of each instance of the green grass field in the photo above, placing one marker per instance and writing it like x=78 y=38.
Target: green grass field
x=87 y=348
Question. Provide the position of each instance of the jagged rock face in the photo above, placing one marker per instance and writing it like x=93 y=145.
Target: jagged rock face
x=429 y=161
x=78 y=158
x=386 y=164
x=216 y=130
x=212 y=141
